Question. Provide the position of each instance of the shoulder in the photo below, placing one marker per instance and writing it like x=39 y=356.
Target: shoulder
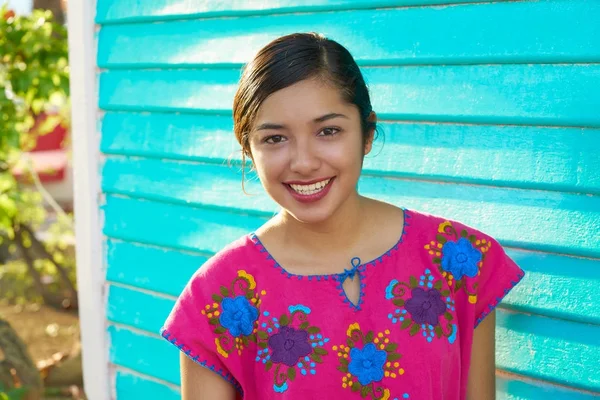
x=425 y=226
x=227 y=261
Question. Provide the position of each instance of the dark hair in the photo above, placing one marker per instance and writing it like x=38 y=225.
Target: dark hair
x=289 y=60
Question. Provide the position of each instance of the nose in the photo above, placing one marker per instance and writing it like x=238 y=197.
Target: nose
x=304 y=158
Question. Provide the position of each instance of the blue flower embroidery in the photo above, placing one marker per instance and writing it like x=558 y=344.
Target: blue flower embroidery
x=367 y=364
x=460 y=258
x=388 y=290
x=238 y=316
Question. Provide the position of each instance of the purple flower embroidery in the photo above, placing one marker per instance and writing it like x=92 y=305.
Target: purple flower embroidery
x=288 y=345
x=425 y=306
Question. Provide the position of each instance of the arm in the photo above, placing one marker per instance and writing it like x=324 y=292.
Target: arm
x=200 y=383
x=482 y=375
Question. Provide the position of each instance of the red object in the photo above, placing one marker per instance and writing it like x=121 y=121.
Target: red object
x=49 y=155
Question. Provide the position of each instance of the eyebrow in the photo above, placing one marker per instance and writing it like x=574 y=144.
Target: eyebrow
x=323 y=118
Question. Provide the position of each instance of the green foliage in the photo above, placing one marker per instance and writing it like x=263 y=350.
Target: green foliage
x=34 y=72
x=12 y=394
x=34 y=75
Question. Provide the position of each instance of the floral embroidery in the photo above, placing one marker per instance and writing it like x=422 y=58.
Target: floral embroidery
x=289 y=344
x=365 y=360
x=234 y=313
x=421 y=305
x=458 y=256
x=238 y=316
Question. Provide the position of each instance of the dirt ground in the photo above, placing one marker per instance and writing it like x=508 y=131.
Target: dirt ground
x=50 y=336
x=44 y=330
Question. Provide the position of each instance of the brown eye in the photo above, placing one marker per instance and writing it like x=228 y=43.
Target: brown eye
x=329 y=131
x=274 y=139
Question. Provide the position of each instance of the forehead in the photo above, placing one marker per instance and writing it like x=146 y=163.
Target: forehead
x=303 y=102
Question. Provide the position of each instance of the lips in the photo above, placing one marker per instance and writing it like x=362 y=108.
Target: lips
x=309 y=192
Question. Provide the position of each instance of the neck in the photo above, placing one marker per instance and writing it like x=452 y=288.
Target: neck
x=338 y=232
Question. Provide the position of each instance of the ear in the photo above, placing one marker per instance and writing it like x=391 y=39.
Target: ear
x=371 y=136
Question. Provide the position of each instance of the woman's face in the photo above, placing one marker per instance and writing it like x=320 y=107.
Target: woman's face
x=307 y=147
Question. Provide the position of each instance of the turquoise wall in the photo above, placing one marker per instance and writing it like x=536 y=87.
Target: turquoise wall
x=491 y=115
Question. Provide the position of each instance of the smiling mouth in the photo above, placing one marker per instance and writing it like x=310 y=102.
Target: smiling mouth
x=308 y=190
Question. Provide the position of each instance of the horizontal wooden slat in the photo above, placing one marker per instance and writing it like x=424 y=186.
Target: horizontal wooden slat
x=129 y=386
x=547 y=221
x=148 y=354
x=499 y=32
x=539 y=347
x=181 y=227
x=561 y=95
x=144 y=266
x=119 y=11
x=547 y=158
x=549 y=349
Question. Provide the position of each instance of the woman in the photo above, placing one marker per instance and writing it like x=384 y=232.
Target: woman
x=338 y=294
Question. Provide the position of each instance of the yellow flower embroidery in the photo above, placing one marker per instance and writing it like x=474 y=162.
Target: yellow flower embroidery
x=443 y=225
x=351 y=328
x=220 y=349
x=386 y=394
x=250 y=278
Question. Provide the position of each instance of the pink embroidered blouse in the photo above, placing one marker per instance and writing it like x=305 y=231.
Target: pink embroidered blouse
x=276 y=335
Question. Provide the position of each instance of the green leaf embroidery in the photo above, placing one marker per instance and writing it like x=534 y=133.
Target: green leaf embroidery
x=464 y=233
x=268 y=365
x=438 y=331
x=441 y=238
x=224 y=291
x=319 y=350
x=413 y=282
x=284 y=320
x=263 y=345
x=405 y=323
x=391 y=347
x=437 y=260
x=213 y=321
x=448 y=315
x=263 y=335
x=364 y=391
x=316 y=358
x=398 y=302
x=341 y=368
x=220 y=330
x=314 y=329
x=350 y=343
x=304 y=325
x=369 y=337
x=414 y=329
x=445 y=293
x=217 y=298
x=438 y=285
x=291 y=372
x=393 y=357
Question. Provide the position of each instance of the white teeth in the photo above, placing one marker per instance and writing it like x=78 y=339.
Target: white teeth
x=310 y=189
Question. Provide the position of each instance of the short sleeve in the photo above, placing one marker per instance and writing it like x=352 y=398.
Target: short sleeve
x=496 y=277
x=189 y=327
